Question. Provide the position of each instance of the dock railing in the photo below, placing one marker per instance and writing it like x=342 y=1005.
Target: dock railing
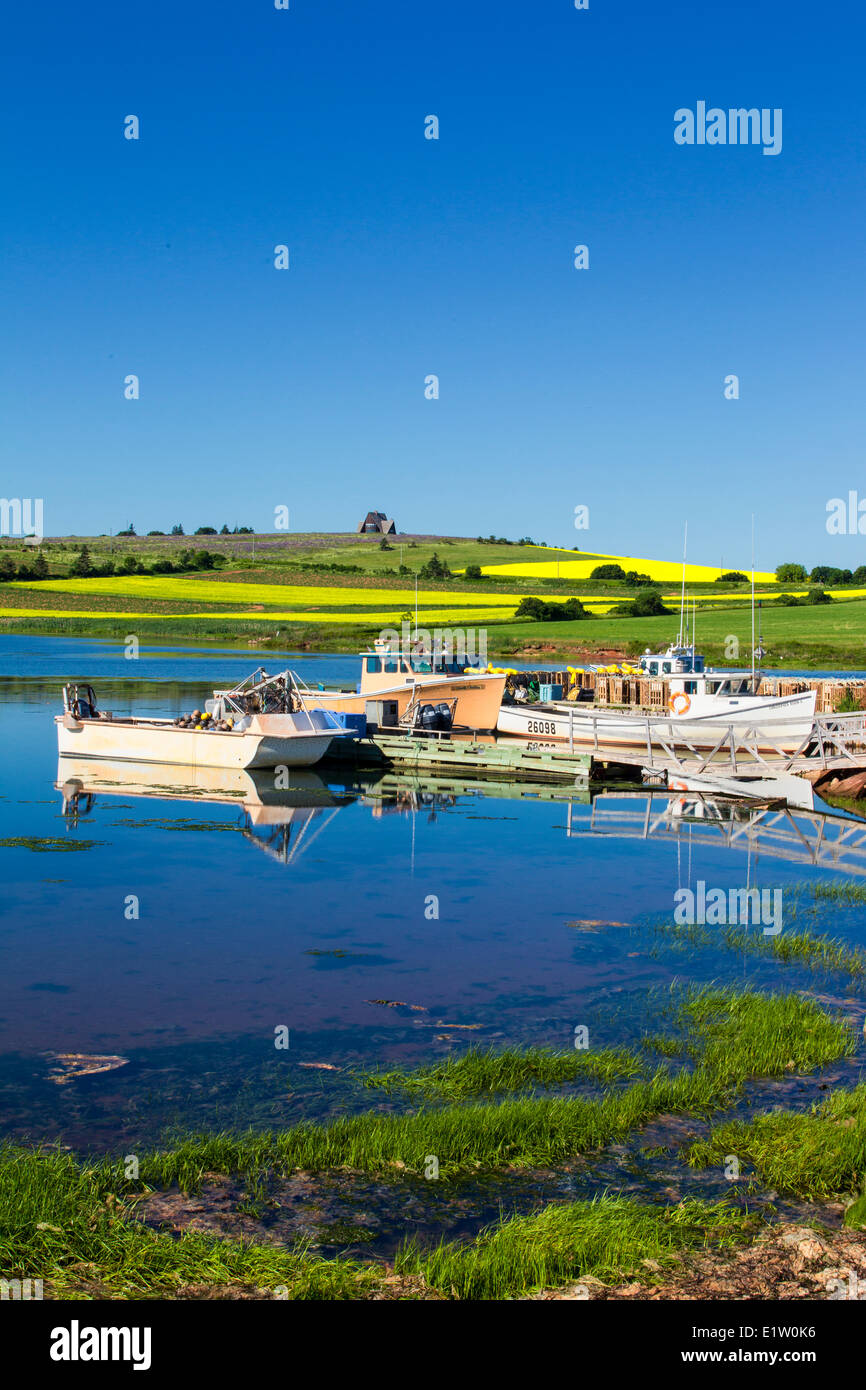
x=776 y=745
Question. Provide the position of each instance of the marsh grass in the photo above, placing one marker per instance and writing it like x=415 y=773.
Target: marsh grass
x=800 y=948
x=60 y=1222
x=609 y=1238
x=846 y=892
x=513 y=1133
x=733 y=1035
x=741 y=1034
x=813 y=1155
x=806 y=948
x=484 y=1071
x=74 y=1225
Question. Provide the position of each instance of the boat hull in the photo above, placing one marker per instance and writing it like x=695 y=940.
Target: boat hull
x=271 y=740
x=586 y=727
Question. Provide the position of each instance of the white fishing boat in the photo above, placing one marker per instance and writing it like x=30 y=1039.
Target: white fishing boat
x=263 y=722
x=700 y=706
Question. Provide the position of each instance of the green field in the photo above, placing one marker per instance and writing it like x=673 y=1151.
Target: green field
x=293 y=591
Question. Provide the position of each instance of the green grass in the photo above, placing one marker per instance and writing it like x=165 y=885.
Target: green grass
x=825 y=635
x=831 y=634
x=481 y=1071
x=514 y=1133
x=73 y=1225
x=845 y=892
x=608 y=1239
x=813 y=1155
x=60 y=1222
x=800 y=948
x=810 y=949
x=743 y=1034
x=734 y=1036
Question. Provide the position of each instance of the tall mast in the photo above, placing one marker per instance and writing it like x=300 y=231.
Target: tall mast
x=683 y=594
x=753 y=601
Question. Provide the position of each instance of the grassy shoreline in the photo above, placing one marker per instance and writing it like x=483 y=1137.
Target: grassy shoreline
x=533 y=643
x=76 y=1223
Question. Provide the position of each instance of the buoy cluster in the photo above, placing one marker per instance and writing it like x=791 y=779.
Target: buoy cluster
x=204 y=723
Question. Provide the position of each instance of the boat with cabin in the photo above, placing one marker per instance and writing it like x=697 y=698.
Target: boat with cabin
x=399 y=679
x=263 y=722
x=700 y=705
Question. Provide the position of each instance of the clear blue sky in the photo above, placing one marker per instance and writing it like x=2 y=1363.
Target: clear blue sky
x=558 y=387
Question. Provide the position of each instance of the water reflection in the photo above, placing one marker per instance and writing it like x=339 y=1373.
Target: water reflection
x=283 y=812
x=278 y=807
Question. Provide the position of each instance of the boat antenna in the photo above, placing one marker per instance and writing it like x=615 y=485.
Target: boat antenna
x=683 y=594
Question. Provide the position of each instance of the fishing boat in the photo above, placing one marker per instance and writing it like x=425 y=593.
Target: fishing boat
x=263 y=722
x=700 y=704
x=403 y=679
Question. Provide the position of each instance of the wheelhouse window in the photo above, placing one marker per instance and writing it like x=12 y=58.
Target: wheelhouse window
x=374 y=665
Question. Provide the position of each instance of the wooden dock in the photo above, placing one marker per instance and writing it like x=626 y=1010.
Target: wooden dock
x=505 y=759
x=739 y=764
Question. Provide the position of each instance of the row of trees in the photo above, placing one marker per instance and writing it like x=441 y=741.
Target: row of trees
x=821 y=574
x=199 y=531
x=83 y=567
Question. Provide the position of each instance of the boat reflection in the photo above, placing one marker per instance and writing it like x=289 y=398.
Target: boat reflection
x=282 y=810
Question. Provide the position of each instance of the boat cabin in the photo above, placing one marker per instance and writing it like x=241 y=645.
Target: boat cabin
x=683 y=668
x=382 y=669
x=676 y=661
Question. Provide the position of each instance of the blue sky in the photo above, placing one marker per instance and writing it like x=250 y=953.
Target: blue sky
x=558 y=387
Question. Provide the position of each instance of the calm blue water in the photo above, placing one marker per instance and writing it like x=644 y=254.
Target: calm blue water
x=241 y=909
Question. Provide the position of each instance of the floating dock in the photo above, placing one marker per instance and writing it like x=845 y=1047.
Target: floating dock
x=736 y=767
x=507 y=759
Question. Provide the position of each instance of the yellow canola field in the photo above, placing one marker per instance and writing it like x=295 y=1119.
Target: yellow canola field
x=184 y=589
x=663 y=570
x=429 y=617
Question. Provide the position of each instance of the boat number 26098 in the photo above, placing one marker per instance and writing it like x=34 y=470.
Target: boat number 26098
x=541 y=726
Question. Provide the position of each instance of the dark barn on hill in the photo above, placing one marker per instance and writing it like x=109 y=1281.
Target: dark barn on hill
x=377 y=524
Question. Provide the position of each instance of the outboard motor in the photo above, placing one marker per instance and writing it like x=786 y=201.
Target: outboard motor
x=428 y=718
x=445 y=717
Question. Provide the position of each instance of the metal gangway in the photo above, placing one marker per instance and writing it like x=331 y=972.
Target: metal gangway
x=771 y=746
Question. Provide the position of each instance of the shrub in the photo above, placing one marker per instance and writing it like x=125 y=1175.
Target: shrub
x=542 y=612
x=647 y=604
x=791 y=574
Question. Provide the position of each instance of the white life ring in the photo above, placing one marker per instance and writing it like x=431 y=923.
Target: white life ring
x=680 y=703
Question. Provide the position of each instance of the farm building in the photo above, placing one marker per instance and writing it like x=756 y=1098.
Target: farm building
x=376 y=523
